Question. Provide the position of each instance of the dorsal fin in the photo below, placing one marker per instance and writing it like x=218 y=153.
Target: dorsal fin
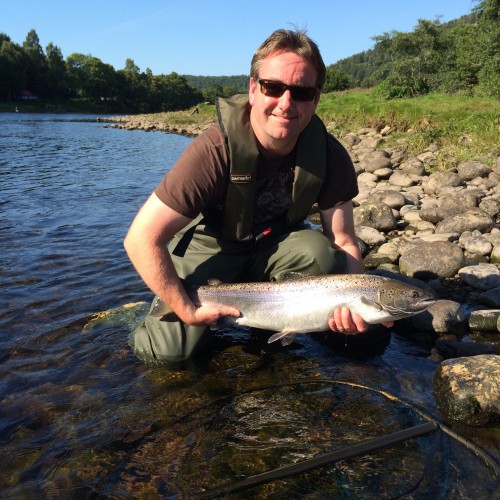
x=214 y=282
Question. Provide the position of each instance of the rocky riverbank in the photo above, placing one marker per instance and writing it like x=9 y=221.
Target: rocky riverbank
x=437 y=229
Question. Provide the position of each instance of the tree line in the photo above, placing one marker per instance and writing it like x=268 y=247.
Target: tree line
x=462 y=55
x=459 y=56
x=29 y=72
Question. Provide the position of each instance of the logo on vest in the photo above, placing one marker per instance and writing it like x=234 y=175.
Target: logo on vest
x=241 y=178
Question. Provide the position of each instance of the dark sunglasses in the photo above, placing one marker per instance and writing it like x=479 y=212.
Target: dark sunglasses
x=272 y=88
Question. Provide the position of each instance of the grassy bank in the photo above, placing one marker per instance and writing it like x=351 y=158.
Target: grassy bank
x=462 y=127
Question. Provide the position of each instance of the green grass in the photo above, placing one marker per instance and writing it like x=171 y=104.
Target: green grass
x=463 y=127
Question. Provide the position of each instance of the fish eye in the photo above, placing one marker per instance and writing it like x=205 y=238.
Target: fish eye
x=414 y=294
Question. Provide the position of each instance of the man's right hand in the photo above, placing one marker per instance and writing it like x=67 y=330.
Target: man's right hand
x=208 y=314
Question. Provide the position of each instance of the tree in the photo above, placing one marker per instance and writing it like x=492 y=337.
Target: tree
x=13 y=63
x=56 y=83
x=89 y=77
x=36 y=69
x=337 y=80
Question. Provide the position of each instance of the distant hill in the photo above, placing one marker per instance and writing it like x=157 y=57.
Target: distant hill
x=237 y=84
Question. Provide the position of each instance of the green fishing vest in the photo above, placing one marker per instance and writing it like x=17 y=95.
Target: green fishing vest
x=238 y=216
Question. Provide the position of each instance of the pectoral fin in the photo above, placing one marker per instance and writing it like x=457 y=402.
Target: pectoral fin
x=286 y=337
x=370 y=304
x=160 y=309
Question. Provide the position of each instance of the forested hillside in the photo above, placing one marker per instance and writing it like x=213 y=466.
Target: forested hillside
x=459 y=56
x=462 y=55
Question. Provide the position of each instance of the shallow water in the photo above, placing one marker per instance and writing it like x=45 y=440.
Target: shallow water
x=81 y=416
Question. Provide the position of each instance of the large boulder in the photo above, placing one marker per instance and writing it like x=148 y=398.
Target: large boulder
x=376 y=215
x=468 y=390
x=428 y=260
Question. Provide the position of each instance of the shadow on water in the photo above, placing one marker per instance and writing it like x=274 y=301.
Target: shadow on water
x=93 y=421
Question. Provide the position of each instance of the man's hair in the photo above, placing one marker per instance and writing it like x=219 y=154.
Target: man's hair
x=296 y=41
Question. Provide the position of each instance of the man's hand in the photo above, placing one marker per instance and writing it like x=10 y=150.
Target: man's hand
x=208 y=314
x=343 y=321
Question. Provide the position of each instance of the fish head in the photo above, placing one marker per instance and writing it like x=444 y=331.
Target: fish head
x=402 y=300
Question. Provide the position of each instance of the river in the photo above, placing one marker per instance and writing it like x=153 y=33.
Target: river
x=80 y=416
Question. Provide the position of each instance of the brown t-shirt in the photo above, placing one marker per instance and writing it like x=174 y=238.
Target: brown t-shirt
x=197 y=182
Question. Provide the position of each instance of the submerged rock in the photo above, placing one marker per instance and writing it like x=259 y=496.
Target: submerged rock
x=468 y=390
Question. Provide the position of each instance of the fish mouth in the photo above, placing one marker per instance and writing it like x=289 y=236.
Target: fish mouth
x=426 y=302
x=419 y=306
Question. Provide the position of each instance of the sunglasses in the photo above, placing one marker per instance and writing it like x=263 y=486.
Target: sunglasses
x=272 y=88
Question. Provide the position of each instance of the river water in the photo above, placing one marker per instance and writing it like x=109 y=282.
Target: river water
x=80 y=416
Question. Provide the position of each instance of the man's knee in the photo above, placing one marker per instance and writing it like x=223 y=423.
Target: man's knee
x=158 y=341
x=310 y=252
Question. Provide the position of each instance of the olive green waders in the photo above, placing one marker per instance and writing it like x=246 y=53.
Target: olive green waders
x=164 y=341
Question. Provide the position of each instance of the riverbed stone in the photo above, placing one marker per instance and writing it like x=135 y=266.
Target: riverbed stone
x=440 y=180
x=373 y=163
x=428 y=260
x=444 y=316
x=370 y=235
x=490 y=298
x=467 y=221
x=469 y=170
x=481 y=276
x=484 y=320
x=475 y=243
x=468 y=390
x=376 y=215
x=453 y=348
x=413 y=167
x=390 y=197
x=495 y=255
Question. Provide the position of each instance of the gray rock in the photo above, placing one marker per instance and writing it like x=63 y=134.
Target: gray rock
x=370 y=235
x=439 y=180
x=440 y=237
x=468 y=390
x=401 y=179
x=444 y=316
x=430 y=260
x=481 y=276
x=491 y=206
x=375 y=259
x=474 y=242
x=490 y=298
x=449 y=349
x=484 y=320
x=413 y=167
x=377 y=215
x=393 y=199
x=471 y=169
x=373 y=164
x=467 y=221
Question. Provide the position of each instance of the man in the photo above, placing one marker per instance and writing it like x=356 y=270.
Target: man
x=233 y=205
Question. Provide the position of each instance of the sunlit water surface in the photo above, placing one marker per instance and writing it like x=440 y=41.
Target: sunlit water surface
x=81 y=416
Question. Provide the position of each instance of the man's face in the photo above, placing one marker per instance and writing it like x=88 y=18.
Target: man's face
x=278 y=121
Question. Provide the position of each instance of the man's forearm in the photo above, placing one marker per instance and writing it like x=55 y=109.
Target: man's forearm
x=154 y=265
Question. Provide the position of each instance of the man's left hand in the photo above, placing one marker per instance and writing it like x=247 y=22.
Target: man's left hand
x=343 y=321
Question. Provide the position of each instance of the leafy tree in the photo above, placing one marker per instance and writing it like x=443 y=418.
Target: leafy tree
x=89 y=77
x=13 y=63
x=56 y=81
x=337 y=80
x=36 y=69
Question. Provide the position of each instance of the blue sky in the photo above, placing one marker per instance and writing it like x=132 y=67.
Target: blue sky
x=203 y=37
